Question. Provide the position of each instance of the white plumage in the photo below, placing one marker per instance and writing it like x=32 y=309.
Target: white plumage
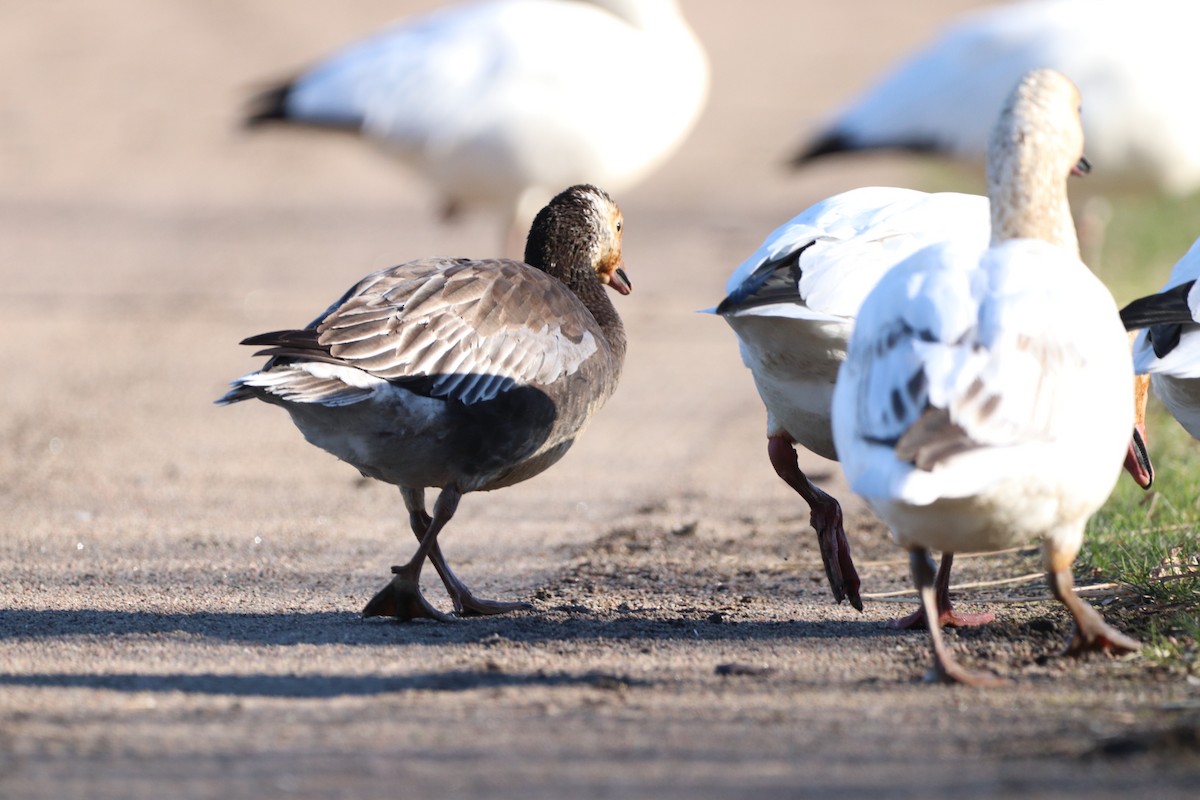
x=998 y=379
x=1129 y=59
x=792 y=305
x=500 y=103
x=987 y=398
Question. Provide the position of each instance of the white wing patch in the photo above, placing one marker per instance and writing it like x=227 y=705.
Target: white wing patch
x=957 y=359
x=315 y=382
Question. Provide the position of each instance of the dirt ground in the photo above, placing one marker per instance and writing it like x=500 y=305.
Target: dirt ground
x=179 y=615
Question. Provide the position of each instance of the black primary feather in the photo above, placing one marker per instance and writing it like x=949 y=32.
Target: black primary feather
x=1164 y=314
x=773 y=280
x=837 y=142
x=269 y=106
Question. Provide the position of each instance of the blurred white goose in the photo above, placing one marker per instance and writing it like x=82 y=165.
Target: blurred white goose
x=1169 y=347
x=501 y=103
x=792 y=305
x=458 y=374
x=987 y=398
x=1128 y=57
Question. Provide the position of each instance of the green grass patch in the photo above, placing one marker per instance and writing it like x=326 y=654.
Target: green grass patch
x=1149 y=543
x=1144 y=238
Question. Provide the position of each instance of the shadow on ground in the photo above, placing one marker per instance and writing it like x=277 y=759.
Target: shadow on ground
x=316 y=686
x=564 y=623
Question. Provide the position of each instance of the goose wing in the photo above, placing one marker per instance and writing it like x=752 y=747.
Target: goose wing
x=953 y=356
x=510 y=81
x=944 y=97
x=1170 y=343
x=821 y=264
x=461 y=330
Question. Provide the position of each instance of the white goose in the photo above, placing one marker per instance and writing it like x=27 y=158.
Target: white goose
x=459 y=375
x=986 y=398
x=792 y=305
x=1169 y=347
x=1128 y=58
x=501 y=103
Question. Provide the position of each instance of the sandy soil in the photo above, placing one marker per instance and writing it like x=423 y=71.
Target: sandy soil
x=179 y=614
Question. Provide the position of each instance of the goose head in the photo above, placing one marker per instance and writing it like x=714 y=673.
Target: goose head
x=1036 y=144
x=577 y=239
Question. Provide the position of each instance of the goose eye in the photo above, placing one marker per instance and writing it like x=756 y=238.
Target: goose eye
x=620 y=224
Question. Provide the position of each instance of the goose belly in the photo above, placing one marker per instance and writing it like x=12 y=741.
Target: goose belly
x=800 y=407
x=795 y=366
x=407 y=439
x=1009 y=513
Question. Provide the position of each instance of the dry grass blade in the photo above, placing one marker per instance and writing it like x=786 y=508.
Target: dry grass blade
x=1092 y=590
x=1176 y=566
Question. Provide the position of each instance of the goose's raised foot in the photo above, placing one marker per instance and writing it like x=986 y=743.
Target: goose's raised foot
x=835 y=550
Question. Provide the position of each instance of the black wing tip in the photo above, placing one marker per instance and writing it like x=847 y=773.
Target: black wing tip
x=824 y=145
x=274 y=338
x=269 y=106
x=292 y=345
x=726 y=305
x=1130 y=318
x=741 y=297
x=747 y=294
x=1168 y=307
x=835 y=142
x=235 y=395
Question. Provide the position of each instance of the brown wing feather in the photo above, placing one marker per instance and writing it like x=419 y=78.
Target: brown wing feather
x=933 y=438
x=475 y=327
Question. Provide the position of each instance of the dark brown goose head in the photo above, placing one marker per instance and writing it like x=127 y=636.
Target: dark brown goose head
x=578 y=236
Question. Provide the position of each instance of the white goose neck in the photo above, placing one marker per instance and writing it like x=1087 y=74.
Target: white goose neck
x=1029 y=202
x=1036 y=144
